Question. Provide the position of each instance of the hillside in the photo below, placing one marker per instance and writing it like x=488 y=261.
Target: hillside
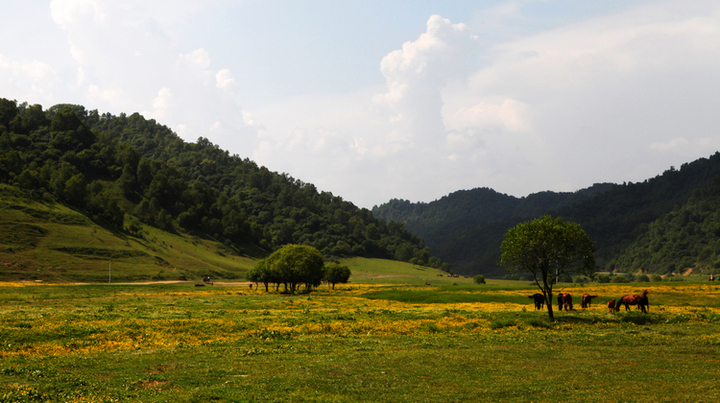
x=468 y=234
x=47 y=241
x=135 y=178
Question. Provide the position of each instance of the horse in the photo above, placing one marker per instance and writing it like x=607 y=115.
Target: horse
x=611 y=306
x=640 y=300
x=586 y=299
x=539 y=301
x=565 y=300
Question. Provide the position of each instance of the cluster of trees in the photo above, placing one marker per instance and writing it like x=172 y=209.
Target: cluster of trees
x=661 y=225
x=296 y=265
x=126 y=170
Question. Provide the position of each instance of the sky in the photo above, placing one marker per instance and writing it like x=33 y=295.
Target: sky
x=375 y=100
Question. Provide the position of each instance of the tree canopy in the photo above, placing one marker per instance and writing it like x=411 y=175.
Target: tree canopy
x=548 y=249
x=337 y=274
x=291 y=265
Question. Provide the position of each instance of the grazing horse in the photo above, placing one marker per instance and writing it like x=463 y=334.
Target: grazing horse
x=539 y=301
x=640 y=300
x=586 y=299
x=611 y=306
x=565 y=300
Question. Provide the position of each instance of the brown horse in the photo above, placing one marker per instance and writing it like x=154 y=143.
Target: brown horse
x=640 y=300
x=565 y=300
x=611 y=306
x=586 y=299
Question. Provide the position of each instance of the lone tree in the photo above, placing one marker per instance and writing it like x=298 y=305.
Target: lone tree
x=548 y=248
x=337 y=274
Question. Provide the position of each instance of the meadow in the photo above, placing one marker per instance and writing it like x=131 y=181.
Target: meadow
x=449 y=342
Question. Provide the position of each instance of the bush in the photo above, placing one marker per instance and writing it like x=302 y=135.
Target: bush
x=479 y=279
x=620 y=279
x=603 y=278
x=643 y=278
x=501 y=323
x=656 y=278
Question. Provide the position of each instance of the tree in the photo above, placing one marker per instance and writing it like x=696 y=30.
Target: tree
x=337 y=274
x=548 y=248
x=259 y=274
x=297 y=264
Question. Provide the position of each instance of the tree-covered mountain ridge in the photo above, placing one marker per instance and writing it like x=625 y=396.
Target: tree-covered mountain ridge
x=635 y=226
x=125 y=172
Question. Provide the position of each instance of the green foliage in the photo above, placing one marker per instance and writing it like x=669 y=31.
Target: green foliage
x=656 y=278
x=619 y=279
x=603 y=278
x=293 y=265
x=643 y=278
x=337 y=274
x=479 y=279
x=111 y=166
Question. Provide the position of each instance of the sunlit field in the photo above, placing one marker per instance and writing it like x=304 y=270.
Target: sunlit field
x=181 y=343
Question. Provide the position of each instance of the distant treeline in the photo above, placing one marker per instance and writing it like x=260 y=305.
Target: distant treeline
x=664 y=224
x=126 y=170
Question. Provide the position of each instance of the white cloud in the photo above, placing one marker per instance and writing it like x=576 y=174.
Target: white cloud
x=33 y=79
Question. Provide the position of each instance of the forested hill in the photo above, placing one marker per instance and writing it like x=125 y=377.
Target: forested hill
x=466 y=209
x=124 y=170
x=630 y=223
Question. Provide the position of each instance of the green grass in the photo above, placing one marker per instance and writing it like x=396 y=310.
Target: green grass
x=180 y=343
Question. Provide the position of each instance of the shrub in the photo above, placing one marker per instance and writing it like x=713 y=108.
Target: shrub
x=500 y=323
x=620 y=279
x=479 y=279
x=643 y=278
x=656 y=278
x=603 y=278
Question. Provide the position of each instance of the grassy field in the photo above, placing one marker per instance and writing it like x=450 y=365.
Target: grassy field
x=360 y=342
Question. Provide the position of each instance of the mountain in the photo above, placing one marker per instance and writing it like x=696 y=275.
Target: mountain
x=130 y=175
x=466 y=228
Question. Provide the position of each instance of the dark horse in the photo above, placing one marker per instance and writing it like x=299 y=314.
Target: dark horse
x=586 y=299
x=564 y=300
x=640 y=300
x=539 y=300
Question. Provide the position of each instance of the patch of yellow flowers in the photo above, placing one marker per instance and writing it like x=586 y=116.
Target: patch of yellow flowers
x=333 y=314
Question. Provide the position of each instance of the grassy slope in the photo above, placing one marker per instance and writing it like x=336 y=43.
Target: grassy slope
x=47 y=241
x=379 y=271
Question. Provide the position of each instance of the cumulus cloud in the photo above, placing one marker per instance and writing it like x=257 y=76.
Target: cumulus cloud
x=31 y=79
x=127 y=62
x=415 y=76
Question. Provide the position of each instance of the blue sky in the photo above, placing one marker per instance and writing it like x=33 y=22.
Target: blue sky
x=373 y=100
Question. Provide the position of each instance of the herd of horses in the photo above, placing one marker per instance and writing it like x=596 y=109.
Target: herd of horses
x=564 y=300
